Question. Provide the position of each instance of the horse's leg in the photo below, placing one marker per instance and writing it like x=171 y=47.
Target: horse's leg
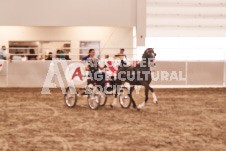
x=131 y=98
x=146 y=98
x=116 y=94
x=115 y=99
x=153 y=95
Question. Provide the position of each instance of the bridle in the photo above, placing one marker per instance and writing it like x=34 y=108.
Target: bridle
x=150 y=53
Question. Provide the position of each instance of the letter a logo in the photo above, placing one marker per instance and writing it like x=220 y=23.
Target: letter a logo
x=77 y=73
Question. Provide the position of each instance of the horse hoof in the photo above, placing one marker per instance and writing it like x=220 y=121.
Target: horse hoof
x=112 y=106
x=138 y=109
x=157 y=102
x=134 y=107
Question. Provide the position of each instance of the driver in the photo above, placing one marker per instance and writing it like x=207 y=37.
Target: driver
x=93 y=66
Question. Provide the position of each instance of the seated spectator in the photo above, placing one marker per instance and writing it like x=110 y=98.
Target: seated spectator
x=58 y=54
x=106 y=56
x=32 y=55
x=16 y=56
x=67 y=57
x=49 y=56
x=122 y=57
x=62 y=54
x=23 y=57
x=121 y=54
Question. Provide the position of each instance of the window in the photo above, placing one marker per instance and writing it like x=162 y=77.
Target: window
x=41 y=48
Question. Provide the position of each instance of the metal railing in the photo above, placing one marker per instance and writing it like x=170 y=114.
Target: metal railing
x=163 y=54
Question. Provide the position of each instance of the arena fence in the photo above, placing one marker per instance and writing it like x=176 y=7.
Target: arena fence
x=167 y=73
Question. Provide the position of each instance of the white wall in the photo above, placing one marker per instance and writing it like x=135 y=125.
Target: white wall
x=187 y=48
x=54 y=45
x=111 y=13
x=68 y=12
x=186 y=18
x=109 y=37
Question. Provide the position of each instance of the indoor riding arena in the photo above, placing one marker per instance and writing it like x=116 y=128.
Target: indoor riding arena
x=112 y=75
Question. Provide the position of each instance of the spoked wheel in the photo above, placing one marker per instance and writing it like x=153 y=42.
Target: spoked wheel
x=70 y=97
x=93 y=101
x=102 y=98
x=124 y=98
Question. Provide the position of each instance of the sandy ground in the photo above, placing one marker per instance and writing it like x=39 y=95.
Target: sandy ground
x=184 y=119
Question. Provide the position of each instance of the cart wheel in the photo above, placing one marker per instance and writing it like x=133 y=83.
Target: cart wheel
x=93 y=101
x=124 y=98
x=70 y=97
x=102 y=98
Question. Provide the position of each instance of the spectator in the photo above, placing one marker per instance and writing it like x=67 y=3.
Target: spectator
x=23 y=57
x=121 y=54
x=106 y=56
x=86 y=57
x=16 y=56
x=49 y=56
x=32 y=55
x=3 y=53
x=67 y=57
x=58 y=54
x=61 y=54
x=122 y=57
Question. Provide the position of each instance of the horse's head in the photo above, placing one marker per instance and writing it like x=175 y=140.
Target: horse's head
x=149 y=55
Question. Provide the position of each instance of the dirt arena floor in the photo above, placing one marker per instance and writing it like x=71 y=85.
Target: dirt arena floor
x=184 y=119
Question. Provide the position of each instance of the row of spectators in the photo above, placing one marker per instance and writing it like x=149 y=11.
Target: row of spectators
x=60 y=54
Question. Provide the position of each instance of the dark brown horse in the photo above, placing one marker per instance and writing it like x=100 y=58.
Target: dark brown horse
x=138 y=75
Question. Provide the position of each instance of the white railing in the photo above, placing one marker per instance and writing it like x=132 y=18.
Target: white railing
x=163 y=54
x=196 y=72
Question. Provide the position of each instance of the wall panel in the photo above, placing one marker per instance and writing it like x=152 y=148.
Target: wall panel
x=205 y=73
x=33 y=74
x=186 y=18
x=68 y=13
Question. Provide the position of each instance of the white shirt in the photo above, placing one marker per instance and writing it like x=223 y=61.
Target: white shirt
x=16 y=58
